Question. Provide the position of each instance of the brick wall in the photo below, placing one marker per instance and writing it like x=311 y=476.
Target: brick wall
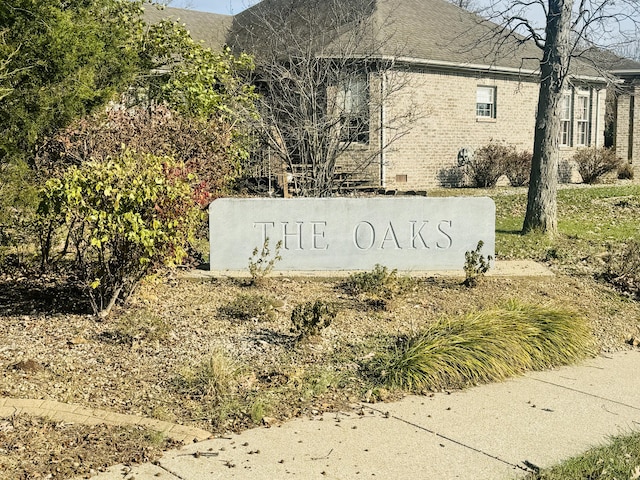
x=427 y=155
x=628 y=128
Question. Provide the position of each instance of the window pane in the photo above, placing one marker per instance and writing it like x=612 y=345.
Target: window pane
x=485 y=102
x=352 y=102
x=582 y=112
x=566 y=107
x=352 y=95
x=483 y=109
x=583 y=130
x=484 y=95
x=566 y=132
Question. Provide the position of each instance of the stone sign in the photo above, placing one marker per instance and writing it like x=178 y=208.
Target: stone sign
x=321 y=234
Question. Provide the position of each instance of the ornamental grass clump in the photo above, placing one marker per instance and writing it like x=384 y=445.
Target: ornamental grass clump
x=213 y=379
x=484 y=347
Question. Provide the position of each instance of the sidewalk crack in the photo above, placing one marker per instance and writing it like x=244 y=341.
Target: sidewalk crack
x=174 y=474
x=585 y=393
x=525 y=468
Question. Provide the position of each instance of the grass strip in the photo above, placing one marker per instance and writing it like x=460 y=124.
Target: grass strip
x=619 y=459
x=484 y=347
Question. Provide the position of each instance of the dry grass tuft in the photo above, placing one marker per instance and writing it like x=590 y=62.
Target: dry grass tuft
x=487 y=346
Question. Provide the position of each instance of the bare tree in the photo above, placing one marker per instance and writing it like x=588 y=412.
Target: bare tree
x=570 y=30
x=630 y=49
x=466 y=4
x=325 y=69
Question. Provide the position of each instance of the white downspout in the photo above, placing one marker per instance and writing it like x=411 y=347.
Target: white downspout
x=597 y=135
x=383 y=180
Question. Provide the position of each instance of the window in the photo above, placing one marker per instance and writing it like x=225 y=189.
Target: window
x=353 y=104
x=575 y=118
x=565 y=120
x=582 y=119
x=486 y=102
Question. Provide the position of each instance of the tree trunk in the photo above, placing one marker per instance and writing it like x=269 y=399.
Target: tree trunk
x=542 y=203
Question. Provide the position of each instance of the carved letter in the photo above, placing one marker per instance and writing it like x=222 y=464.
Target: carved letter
x=390 y=236
x=264 y=229
x=445 y=234
x=362 y=245
x=418 y=234
x=317 y=232
x=297 y=234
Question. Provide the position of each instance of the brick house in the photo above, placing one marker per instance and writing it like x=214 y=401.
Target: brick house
x=627 y=113
x=469 y=91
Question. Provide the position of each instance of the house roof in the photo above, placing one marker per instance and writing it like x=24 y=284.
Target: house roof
x=439 y=31
x=609 y=61
x=208 y=28
x=428 y=32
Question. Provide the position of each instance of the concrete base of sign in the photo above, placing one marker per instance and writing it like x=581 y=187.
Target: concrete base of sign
x=504 y=268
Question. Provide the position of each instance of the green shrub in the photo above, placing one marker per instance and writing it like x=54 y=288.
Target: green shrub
x=475 y=265
x=517 y=168
x=380 y=282
x=622 y=267
x=18 y=205
x=139 y=326
x=379 y=287
x=484 y=347
x=310 y=318
x=126 y=216
x=594 y=162
x=487 y=164
x=261 y=263
x=252 y=307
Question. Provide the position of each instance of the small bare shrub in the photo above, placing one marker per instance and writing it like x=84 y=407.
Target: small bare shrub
x=475 y=265
x=452 y=177
x=622 y=268
x=141 y=326
x=594 y=162
x=517 y=168
x=261 y=262
x=625 y=171
x=487 y=165
x=310 y=318
x=258 y=308
x=378 y=288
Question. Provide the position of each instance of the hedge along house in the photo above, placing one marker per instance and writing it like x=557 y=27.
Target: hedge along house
x=424 y=84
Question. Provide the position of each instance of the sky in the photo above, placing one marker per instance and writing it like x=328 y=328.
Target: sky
x=228 y=7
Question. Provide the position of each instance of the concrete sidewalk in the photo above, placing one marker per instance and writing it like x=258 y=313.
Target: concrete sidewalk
x=497 y=431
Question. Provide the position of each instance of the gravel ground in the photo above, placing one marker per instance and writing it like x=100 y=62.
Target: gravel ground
x=145 y=360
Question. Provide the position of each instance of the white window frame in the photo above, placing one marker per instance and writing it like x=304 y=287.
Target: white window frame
x=565 y=119
x=485 y=102
x=582 y=119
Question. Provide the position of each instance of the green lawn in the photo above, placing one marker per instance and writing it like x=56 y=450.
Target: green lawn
x=589 y=218
x=618 y=460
